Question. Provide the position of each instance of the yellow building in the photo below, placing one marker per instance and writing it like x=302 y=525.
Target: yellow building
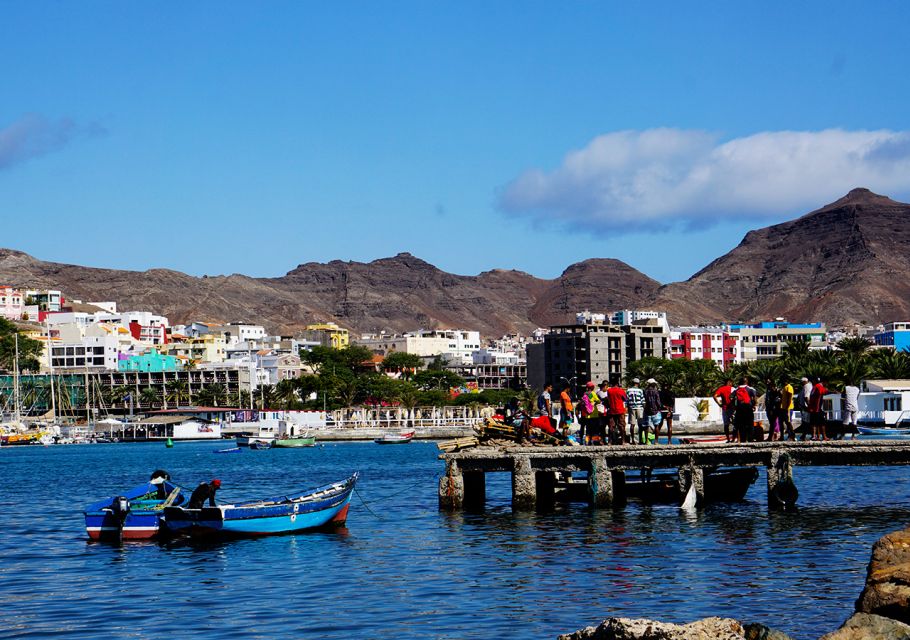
x=209 y=347
x=329 y=334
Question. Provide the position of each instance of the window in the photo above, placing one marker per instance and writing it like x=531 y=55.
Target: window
x=892 y=404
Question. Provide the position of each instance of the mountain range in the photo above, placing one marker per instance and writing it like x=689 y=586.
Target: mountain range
x=845 y=263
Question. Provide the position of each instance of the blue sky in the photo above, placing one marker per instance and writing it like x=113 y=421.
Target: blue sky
x=248 y=138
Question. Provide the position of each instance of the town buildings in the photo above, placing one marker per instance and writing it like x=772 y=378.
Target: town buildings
x=895 y=334
x=12 y=303
x=327 y=334
x=705 y=343
x=455 y=346
x=766 y=340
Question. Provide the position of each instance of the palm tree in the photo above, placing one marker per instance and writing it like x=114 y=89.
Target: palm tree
x=264 y=397
x=212 y=395
x=527 y=400
x=854 y=345
x=888 y=364
x=150 y=396
x=853 y=368
x=408 y=396
x=286 y=394
x=178 y=391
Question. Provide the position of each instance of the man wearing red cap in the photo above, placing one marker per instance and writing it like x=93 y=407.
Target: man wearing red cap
x=205 y=491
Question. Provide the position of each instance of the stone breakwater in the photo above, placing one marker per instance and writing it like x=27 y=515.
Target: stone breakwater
x=882 y=610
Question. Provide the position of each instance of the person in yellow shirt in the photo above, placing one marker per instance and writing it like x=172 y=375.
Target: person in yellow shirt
x=786 y=408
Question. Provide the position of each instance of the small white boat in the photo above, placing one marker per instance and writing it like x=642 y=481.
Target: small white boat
x=395 y=438
x=246 y=439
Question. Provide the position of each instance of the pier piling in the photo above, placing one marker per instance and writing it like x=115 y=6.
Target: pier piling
x=534 y=469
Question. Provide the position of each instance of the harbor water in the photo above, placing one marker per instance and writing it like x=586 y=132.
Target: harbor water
x=402 y=569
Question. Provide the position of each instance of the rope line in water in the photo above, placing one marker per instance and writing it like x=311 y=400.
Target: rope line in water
x=397 y=493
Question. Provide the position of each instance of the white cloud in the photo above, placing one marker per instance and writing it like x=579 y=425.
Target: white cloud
x=692 y=177
x=33 y=135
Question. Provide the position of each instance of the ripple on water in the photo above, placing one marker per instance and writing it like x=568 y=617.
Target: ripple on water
x=407 y=571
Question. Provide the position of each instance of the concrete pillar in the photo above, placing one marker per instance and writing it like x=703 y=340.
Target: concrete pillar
x=782 y=491
x=451 y=488
x=687 y=477
x=524 y=484
x=475 y=488
x=600 y=484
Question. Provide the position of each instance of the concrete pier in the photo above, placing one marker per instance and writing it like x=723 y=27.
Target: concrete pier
x=534 y=469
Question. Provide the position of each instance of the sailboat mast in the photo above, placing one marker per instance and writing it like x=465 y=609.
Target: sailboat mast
x=50 y=367
x=17 y=414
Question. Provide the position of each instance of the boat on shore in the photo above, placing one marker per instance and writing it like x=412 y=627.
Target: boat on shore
x=134 y=515
x=395 y=438
x=291 y=443
x=323 y=507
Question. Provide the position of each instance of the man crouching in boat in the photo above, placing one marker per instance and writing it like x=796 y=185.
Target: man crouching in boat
x=205 y=491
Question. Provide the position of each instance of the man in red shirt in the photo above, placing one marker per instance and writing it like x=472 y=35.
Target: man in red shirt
x=724 y=399
x=616 y=409
x=817 y=411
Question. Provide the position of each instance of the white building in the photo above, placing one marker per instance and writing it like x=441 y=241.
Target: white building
x=495 y=356
x=455 y=346
x=146 y=327
x=625 y=317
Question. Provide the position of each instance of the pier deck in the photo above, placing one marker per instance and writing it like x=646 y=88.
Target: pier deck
x=533 y=468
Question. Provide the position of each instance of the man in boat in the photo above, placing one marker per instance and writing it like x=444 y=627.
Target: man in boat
x=205 y=491
x=159 y=477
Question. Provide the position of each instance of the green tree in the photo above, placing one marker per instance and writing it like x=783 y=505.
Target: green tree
x=29 y=350
x=178 y=392
x=399 y=361
x=150 y=396
x=888 y=364
x=286 y=394
x=442 y=380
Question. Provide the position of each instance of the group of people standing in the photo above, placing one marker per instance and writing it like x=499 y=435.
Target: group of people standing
x=602 y=412
x=738 y=406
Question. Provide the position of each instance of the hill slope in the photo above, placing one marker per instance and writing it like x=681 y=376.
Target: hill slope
x=845 y=263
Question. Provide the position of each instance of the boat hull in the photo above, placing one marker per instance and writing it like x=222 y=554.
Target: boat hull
x=323 y=507
x=142 y=522
x=883 y=431
x=293 y=443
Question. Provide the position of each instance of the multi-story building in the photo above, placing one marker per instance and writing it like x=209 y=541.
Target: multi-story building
x=575 y=354
x=144 y=326
x=151 y=360
x=766 y=340
x=646 y=339
x=90 y=347
x=455 y=346
x=501 y=376
x=327 y=334
x=209 y=347
x=278 y=366
x=705 y=343
x=895 y=334
x=12 y=303
x=625 y=317
x=45 y=299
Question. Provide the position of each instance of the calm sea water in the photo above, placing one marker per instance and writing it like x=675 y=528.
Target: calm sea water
x=404 y=570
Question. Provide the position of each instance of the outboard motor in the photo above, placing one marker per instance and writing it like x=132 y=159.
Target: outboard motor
x=120 y=508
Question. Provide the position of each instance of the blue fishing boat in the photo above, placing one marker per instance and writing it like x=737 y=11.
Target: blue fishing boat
x=260 y=445
x=326 y=506
x=884 y=431
x=231 y=450
x=134 y=515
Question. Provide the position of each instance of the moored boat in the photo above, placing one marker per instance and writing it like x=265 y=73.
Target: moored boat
x=395 y=438
x=883 y=431
x=302 y=441
x=134 y=515
x=260 y=445
x=245 y=439
x=325 y=506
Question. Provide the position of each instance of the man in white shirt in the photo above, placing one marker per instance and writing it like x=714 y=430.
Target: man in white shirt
x=851 y=407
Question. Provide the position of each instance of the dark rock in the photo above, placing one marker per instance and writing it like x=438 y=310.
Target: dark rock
x=867 y=626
